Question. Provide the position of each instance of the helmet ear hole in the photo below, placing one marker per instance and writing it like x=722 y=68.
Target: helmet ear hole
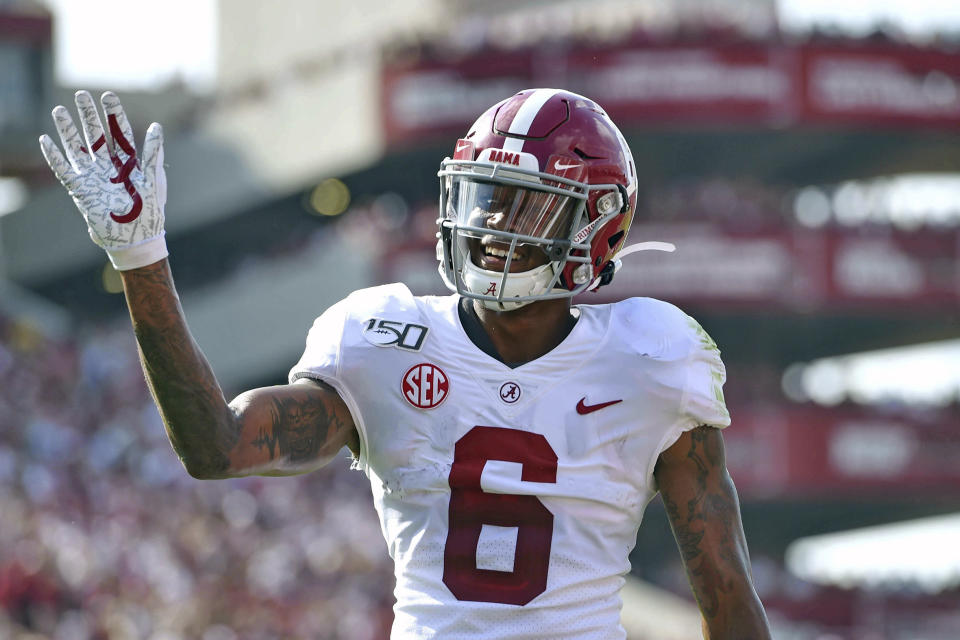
x=614 y=239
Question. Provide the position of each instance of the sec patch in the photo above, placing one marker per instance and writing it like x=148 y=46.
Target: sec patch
x=425 y=385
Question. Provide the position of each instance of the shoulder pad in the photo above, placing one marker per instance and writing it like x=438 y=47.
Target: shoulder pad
x=393 y=298
x=653 y=327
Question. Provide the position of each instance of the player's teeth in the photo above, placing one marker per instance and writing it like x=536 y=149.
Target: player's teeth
x=500 y=253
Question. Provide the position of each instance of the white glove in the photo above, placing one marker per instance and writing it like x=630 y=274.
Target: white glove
x=121 y=198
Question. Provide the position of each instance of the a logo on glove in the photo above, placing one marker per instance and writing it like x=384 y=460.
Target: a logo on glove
x=123 y=169
x=123 y=172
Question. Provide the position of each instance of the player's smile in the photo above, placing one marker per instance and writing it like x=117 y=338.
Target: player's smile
x=490 y=253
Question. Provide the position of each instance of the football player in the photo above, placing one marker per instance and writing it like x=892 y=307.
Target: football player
x=512 y=439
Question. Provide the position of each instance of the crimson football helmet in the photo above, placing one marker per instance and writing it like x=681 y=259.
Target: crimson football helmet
x=536 y=201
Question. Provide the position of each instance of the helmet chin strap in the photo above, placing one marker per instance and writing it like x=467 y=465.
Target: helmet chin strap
x=521 y=284
x=653 y=245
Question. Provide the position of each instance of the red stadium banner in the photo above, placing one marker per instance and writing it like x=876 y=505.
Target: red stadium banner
x=743 y=84
x=436 y=99
x=753 y=84
x=814 y=451
x=37 y=30
x=879 y=86
x=889 y=267
x=798 y=268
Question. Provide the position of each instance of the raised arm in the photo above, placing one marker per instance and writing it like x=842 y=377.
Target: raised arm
x=269 y=431
x=704 y=513
x=273 y=430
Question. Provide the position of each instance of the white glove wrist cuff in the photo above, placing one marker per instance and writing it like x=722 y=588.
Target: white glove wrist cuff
x=139 y=255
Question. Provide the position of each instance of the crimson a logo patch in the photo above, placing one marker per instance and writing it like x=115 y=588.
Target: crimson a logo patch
x=425 y=385
x=510 y=392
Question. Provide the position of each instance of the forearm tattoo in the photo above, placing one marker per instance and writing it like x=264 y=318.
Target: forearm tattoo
x=711 y=505
x=201 y=426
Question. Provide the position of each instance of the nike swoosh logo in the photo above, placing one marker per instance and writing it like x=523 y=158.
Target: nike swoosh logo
x=564 y=167
x=583 y=408
x=461 y=146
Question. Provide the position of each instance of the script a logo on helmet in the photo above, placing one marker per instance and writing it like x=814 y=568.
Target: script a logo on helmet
x=425 y=385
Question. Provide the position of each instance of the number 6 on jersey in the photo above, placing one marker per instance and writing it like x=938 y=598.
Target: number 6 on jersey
x=471 y=508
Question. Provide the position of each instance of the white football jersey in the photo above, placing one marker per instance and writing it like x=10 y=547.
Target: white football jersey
x=510 y=498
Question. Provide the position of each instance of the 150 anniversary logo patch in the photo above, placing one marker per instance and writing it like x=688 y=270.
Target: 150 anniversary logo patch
x=394 y=333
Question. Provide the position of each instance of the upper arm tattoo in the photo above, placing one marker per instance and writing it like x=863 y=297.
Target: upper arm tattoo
x=299 y=428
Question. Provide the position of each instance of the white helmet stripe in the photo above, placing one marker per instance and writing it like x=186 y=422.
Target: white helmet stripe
x=525 y=116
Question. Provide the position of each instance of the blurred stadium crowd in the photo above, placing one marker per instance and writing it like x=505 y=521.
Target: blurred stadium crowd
x=105 y=536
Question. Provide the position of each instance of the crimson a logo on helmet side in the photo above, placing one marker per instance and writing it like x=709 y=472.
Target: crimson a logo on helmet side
x=491 y=290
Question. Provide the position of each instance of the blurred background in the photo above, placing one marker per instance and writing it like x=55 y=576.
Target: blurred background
x=804 y=157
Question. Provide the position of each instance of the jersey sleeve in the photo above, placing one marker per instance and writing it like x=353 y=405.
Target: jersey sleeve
x=702 y=401
x=698 y=374
x=321 y=357
x=338 y=353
